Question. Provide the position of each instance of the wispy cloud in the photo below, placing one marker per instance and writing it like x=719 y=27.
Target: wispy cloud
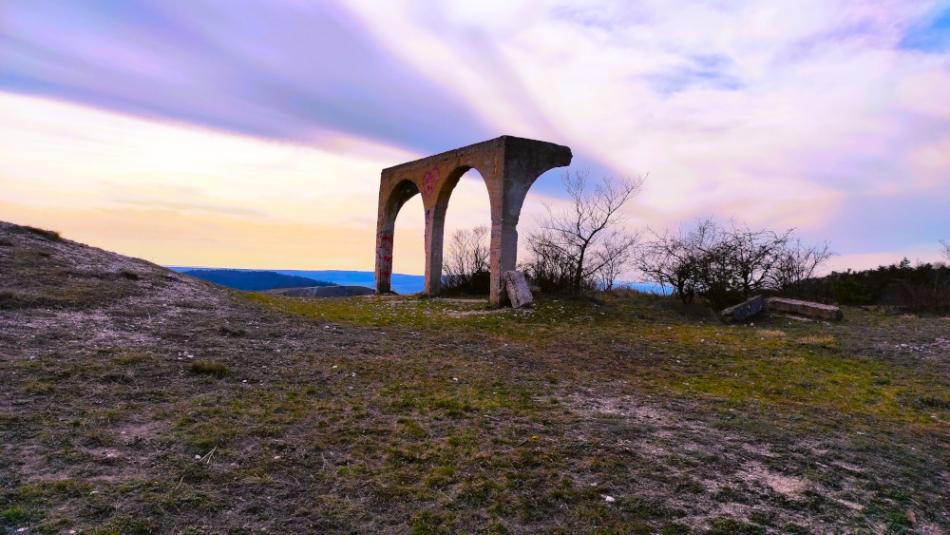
x=828 y=116
x=291 y=70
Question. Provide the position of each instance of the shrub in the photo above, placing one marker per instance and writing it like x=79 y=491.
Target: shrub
x=727 y=265
x=585 y=247
x=466 y=266
x=920 y=288
x=50 y=235
x=208 y=367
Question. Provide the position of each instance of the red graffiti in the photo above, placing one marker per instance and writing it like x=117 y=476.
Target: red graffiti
x=429 y=180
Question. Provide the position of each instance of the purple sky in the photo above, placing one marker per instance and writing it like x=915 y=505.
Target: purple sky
x=832 y=117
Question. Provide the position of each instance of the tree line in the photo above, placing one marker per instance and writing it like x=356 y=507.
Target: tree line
x=586 y=247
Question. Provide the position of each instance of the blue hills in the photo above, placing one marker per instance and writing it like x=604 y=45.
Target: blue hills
x=268 y=279
x=253 y=280
x=297 y=278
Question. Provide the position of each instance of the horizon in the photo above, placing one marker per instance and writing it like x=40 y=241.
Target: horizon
x=250 y=138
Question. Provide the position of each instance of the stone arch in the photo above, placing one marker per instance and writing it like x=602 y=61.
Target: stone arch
x=435 y=224
x=508 y=165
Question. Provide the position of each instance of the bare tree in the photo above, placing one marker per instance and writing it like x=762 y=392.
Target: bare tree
x=677 y=261
x=585 y=246
x=751 y=256
x=468 y=256
x=797 y=263
x=727 y=264
x=946 y=249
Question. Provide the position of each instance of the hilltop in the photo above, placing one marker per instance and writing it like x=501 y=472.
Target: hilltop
x=139 y=400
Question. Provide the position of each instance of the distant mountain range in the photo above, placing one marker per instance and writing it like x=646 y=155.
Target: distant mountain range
x=252 y=280
x=401 y=283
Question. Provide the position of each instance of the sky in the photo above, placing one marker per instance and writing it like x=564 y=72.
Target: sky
x=251 y=134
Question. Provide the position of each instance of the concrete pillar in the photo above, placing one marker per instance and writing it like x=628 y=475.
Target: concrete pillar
x=384 y=253
x=435 y=230
x=504 y=257
x=507 y=201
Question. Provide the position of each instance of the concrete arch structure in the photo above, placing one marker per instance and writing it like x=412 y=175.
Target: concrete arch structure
x=509 y=166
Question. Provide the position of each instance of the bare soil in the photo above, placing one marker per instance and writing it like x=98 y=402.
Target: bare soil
x=137 y=400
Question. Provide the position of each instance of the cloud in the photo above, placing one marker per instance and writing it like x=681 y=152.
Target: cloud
x=290 y=71
x=827 y=116
x=777 y=114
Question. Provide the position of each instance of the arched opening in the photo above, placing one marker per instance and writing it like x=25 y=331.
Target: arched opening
x=409 y=247
x=547 y=191
x=403 y=254
x=467 y=236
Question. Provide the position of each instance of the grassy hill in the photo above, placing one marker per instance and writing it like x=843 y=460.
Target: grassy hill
x=138 y=400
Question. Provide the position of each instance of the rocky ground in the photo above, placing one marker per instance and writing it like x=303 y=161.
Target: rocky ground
x=136 y=400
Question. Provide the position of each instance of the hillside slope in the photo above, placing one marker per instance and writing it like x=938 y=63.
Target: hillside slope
x=138 y=400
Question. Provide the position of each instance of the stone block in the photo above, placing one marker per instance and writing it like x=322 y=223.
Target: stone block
x=518 y=291
x=744 y=311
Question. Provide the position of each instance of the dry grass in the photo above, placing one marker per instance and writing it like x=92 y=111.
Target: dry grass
x=163 y=405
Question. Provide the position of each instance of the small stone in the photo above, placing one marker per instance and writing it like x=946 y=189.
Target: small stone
x=608 y=499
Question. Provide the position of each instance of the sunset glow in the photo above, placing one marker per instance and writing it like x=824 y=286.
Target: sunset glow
x=206 y=134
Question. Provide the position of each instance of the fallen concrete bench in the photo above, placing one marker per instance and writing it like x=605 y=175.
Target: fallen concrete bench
x=744 y=311
x=806 y=309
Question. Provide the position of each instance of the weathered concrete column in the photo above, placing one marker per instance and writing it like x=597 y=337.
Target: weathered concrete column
x=504 y=257
x=384 y=257
x=435 y=230
x=509 y=165
x=506 y=211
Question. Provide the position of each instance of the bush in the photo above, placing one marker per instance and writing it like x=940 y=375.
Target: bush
x=50 y=235
x=585 y=247
x=728 y=265
x=208 y=367
x=466 y=266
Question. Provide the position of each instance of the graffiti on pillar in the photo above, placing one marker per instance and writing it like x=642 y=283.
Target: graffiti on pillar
x=384 y=256
x=430 y=179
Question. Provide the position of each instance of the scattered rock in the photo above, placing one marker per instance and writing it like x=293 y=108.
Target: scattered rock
x=807 y=309
x=744 y=311
x=518 y=291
